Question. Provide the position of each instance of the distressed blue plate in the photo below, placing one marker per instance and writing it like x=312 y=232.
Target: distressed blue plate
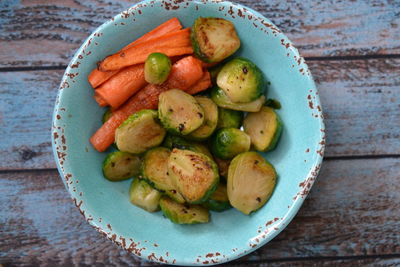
x=230 y=234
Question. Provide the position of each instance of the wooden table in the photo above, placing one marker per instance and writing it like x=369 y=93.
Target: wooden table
x=351 y=217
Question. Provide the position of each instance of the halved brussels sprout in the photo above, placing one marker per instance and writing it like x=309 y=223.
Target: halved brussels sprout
x=119 y=166
x=107 y=114
x=214 y=39
x=183 y=214
x=179 y=112
x=157 y=68
x=155 y=170
x=251 y=181
x=223 y=165
x=194 y=174
x=214 y=73
x=222 y=100
x=218 y=201
x=264 y=128
x=241 y=80
x=228 y=118
x=210 y=119
x=141 y=194
x=229 y=142
x=175 y=141
x=273 y=103
x=139 y=132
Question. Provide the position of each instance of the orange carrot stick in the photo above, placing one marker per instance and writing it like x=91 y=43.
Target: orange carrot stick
x=203 y=84
x=122 y=85
x=100 y=100
x=171 y=25
x=172 y=44
x=188 y=68
x=209 y=65
x=97 y=77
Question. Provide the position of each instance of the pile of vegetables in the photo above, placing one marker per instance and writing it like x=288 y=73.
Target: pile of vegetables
x=187 y=119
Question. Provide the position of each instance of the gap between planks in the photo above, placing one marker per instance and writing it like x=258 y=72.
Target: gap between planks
x=330 y=258
x=330 y=158
x=328 y=58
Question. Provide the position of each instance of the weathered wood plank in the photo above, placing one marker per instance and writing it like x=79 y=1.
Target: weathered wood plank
x=352 y=210
x=361 y=101
x=47 y=33
x=361 y=104
x=351 y=262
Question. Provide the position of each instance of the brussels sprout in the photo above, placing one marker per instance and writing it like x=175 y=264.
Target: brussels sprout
x=264 y=128
x=119 y=166
x=210 y=119
x=183 y=214
x=218 y=201
x=157 y=68
x=155 y=170
x=228 y=118
x=241 y=80
x=214 y=39
x=251 y=181
x=194 y=174
x=141 y=194
x=228 y=142
x=273 y=103
x=175 y=141
x=107 y=114
x=139 y=132
x=222 y=100
x=223 y=165
x=179 y=112
x=214 y=73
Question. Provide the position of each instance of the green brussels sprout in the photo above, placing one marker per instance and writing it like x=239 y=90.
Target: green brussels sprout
x=194 y=174
x=157 y=68
x=179 y=112
x=223 y=165
x=119 y=166
x=175 y=141
x=214 y=39
x=155 y=170
x=222 y=100
x=139 y=132
x=210 y=119
x=241 y=80
x=218 y=201
x=251 y=181
x=183 y=214
x=228 y=118
x=264 y=128
x=141 y=194
x=229 y=142
x=214 y=72
x=273 y=103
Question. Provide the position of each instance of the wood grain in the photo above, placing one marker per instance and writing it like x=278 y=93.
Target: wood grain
x=326 y=262
x=351 y=211
x=361 y=102
x=47 y=33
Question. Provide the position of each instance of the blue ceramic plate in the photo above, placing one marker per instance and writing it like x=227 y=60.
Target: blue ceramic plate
x=230 y=234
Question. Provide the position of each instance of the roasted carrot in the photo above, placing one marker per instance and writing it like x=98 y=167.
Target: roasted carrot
x=172 y=44
x=189 y=69
x=97 y=77
x=171 y=25
x=209 y=65
x=100 y=100
x=203 y=84
x=122 y=85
